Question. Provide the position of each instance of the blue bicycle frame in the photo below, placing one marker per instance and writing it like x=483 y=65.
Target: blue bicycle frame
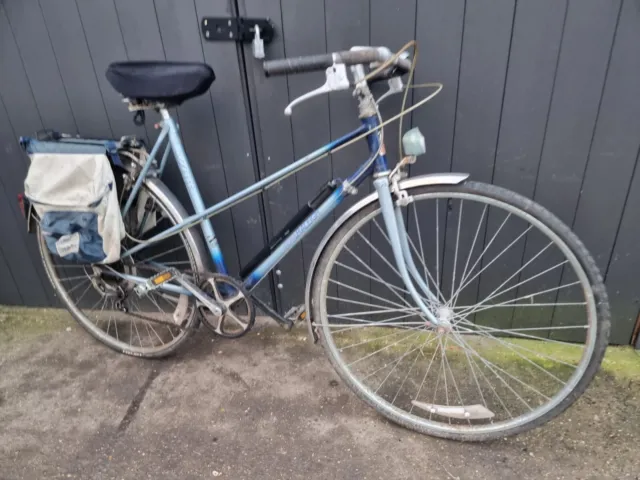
x=202 y=214
x=391 y=213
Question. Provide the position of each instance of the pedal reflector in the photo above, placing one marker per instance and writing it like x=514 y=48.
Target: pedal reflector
x=154 y=282
x=161 y=278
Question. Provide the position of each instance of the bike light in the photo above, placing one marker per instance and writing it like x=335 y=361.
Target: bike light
x=413 y=142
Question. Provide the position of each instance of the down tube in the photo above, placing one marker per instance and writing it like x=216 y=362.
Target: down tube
x=296 y=236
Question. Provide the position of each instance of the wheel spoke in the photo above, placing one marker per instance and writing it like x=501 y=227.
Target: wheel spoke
x=413 y=335
x=426 y=373
x=375 y=279
x=523 y=335
x=356 y=302
x=468 y=282
x=478 y=306
x=378 y=276
x=162 y=254
x=374 y=312
x=162 y=312
x=527 y=359
x=493 y=295
x=411 y=368
x=455 y=255
x=473 y=246
x=495 y=235
x=464 y=344
x=369 y=340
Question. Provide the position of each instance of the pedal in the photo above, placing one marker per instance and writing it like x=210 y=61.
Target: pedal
x=297 y=313
x=159 y=279
x=155 y=282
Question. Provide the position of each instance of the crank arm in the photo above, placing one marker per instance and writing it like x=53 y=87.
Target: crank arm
x=184 y=287
x=215 y=307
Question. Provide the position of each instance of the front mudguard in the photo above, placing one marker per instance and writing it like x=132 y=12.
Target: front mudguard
x=419 y=181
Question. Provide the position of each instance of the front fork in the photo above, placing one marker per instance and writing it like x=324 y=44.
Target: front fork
x=395 y=227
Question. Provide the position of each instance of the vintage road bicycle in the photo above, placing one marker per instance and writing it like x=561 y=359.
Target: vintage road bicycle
x=454 y=308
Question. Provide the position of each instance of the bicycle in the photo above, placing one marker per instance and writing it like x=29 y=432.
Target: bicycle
x=393 y=320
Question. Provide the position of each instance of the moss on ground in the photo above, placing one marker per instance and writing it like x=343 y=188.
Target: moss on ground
x=623 y=362
x=21 y=322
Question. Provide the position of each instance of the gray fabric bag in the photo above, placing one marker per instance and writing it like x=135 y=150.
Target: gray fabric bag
x=75 y=197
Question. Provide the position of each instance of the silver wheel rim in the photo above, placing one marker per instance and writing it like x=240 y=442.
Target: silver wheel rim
x=139 y=328
x=425 y=424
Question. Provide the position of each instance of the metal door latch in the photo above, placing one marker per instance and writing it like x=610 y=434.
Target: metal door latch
x=239 y=29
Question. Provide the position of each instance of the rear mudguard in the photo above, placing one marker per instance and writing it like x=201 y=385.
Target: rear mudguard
x=419 y=181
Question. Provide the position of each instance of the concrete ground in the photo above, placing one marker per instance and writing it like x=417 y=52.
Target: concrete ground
x=265 y=406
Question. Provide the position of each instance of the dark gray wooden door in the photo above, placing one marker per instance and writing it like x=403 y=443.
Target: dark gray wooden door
x=541 y=96
x=53 y=56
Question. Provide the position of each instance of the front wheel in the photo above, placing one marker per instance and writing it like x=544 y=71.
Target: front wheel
x=524 y=316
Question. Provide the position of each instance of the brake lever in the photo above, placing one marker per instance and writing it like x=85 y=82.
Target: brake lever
x=336 y=80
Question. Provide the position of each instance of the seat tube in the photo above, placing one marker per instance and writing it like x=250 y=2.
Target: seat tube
x=193 y=191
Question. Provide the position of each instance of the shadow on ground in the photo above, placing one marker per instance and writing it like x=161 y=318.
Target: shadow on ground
x=265 y=406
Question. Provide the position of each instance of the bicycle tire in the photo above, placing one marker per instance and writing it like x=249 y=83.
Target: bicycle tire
x=519 y=203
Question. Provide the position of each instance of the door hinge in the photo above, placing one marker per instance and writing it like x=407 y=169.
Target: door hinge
x=237 y=29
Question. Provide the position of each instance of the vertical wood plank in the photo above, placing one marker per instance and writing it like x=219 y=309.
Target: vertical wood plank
x=347 y=25
x=68 y=41
x=20 y=259
x=310 y=120
x=535 y=47
x=236 y=143
x=179 y=28
x=610 y=166
x=269 y=97
x=584 y=56
x=486 y=45
x=439 y=35
x=392 y=25
x=9 y=294
x=439 y=28
x=40 y=63
x=106 y=45
x=18 y=116
x=142 y=41
x=622 y=288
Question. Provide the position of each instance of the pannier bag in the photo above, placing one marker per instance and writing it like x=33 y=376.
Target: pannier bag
x=73 y=191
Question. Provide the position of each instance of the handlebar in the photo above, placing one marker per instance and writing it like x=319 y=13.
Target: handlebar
x=312 y=63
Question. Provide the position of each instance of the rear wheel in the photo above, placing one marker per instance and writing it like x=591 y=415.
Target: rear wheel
x=524 y=316
x=107 y=307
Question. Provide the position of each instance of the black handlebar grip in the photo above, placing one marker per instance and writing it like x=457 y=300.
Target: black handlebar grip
x=308 y=63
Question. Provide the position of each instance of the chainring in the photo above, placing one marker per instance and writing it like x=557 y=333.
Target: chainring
x=240 y=314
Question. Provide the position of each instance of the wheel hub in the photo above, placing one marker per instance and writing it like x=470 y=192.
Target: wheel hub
x=445 y=316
